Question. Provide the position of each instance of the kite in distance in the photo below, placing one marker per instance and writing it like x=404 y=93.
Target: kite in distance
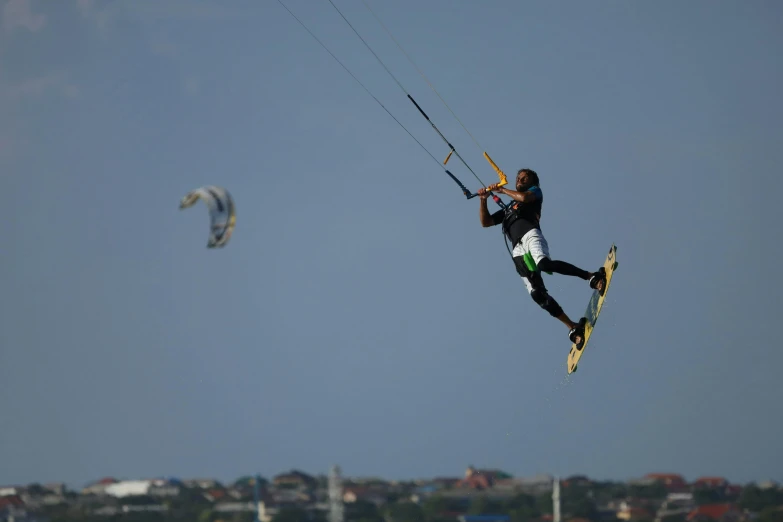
x=222 y=215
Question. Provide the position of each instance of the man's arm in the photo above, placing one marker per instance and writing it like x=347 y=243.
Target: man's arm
x=528 y=196
x=487 y=219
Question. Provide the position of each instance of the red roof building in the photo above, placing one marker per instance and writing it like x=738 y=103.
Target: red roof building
x=715 y=513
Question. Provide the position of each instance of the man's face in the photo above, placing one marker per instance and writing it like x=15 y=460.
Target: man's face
x=523 y=181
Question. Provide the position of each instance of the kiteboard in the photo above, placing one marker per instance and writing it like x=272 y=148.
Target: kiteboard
x=593 y=310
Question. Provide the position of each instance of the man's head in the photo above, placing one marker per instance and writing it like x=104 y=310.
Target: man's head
x=526 y=178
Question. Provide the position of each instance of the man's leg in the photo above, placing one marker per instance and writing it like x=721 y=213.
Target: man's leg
x=535 y=242
x=538 y=292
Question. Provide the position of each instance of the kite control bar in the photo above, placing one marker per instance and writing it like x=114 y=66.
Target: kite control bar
x=471 y=195
x=502 y=177
x=500 y=173
x=465 y=190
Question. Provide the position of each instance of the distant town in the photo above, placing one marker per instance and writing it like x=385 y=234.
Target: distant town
x=477 y=495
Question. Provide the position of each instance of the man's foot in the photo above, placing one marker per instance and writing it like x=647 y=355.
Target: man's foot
x=598 y=280
x=577 y=333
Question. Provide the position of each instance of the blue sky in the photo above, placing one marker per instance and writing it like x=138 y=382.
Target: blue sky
x=361 y=315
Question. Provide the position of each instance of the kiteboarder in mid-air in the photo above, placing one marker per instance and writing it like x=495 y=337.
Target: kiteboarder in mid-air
x=520 y=221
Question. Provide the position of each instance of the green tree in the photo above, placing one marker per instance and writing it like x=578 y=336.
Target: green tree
x=544 y=503
x=36 y=490
x=291 y=514
x=362 y=511
x=522 y=515
x=483 y=505
x=576 y=501
x=582 y=508
x=522 y=500
x=522 y=508
x=704 y=496
x=755 y=499
x=188 y=498
x=405 y=512
x=608 y=491
x=139 y=500
x=681 y=517
x=434 y=506
x=655 y=491
x=771 y=514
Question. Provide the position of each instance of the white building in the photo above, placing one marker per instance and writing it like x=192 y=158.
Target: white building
x=127 y=488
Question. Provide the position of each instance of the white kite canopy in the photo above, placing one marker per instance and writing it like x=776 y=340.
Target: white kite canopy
x=222 y=216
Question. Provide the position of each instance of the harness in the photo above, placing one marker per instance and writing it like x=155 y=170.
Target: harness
x=516 y=211
x=513 y=213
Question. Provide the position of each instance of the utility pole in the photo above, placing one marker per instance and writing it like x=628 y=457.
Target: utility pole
x=260 y=507
x=335 y=495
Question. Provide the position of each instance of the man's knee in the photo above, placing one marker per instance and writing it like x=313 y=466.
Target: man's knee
x=542 y=297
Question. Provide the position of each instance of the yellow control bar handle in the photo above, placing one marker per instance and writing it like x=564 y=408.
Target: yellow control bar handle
x=501 y=174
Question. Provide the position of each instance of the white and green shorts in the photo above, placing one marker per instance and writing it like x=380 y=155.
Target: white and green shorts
x=533 y=248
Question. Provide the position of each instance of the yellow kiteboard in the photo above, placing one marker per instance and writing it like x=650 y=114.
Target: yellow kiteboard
x=593 y=309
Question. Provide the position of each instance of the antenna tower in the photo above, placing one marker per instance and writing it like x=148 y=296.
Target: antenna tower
x=335 y=495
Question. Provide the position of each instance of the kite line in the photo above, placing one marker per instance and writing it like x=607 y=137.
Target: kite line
x=503 y=180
